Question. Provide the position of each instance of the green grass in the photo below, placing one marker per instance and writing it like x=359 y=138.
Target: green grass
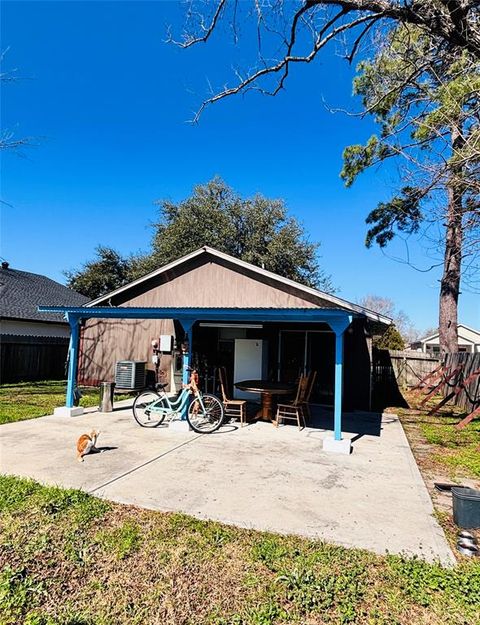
x=457 y=449
x=437 y=445
x=67 y=558
x=27 y=400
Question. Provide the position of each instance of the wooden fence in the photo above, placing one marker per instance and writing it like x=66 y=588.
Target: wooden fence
x=411 y=367
x=469 y=398
x=25 y=358
x=393 y=371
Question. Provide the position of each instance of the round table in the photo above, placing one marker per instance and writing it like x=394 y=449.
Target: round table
x=267 y=390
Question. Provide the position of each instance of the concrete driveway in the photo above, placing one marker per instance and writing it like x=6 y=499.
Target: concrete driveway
x=259 y=476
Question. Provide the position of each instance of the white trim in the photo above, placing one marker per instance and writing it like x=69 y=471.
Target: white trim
x=263 y=272
x=459 y=325
x=462 y=325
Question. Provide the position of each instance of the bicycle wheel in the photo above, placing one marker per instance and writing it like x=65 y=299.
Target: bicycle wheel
x=207 y=419
x=147 y=415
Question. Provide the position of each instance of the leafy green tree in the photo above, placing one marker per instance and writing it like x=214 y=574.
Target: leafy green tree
x=422 y=87
x=427 y=108
x=390 y=339
x=106 y=272
x=257 y=230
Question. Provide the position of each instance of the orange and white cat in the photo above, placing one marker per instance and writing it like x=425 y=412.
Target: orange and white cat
x=86 y=444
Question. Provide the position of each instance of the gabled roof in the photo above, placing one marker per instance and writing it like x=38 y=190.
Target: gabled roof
x=332 y=300
x=425 y=339
x=21 y=292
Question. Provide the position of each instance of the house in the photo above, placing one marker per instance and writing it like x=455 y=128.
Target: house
x=468 y=341
x=212 y=305
x=34 y=345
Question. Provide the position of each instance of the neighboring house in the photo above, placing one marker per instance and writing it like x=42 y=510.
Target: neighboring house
x=34 y=345
x=468 y=341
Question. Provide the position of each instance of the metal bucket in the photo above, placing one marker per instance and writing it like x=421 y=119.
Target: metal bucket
x=106 y=396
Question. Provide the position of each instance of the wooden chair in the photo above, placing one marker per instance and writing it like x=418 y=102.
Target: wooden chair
x=294 y=410
x=233 y=407
x=312 y=376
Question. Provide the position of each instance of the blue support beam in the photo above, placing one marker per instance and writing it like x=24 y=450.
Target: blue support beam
x=72 y=360
x=339 y=326
x=338 y=387
x=187 y=325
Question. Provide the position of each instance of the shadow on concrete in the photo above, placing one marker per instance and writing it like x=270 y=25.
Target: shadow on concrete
x=100 y=450
x=357 y=423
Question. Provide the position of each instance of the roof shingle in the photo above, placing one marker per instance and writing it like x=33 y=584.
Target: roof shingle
x=21 y=292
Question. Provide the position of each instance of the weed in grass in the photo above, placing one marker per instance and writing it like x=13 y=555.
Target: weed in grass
x=19 y=493
x=15 y=492
x=78 y=548
x=427 y=583
x=307 y=592
x=122 y=541
x=270 y=551
x=19 y=591
x=466 y=460
x=267 y=613
x=84 y=507
x=39 y=618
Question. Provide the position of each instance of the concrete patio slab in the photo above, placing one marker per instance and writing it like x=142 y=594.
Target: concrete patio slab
x=259 y=476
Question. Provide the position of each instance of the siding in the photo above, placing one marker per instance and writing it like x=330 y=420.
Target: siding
x=213 y=285
x=105 y=341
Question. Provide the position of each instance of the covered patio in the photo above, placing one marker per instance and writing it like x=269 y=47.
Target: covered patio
x=337 y=320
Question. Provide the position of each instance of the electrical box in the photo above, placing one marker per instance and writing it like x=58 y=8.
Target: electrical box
x=166 y=341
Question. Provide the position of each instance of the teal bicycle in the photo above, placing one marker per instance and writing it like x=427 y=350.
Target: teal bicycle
x=205 y=412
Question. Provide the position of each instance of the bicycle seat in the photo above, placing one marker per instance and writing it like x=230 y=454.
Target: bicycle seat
x=160 y=385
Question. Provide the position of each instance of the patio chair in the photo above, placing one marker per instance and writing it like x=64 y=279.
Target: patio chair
x=312 y=376
x=236 y=408
x=294 y=410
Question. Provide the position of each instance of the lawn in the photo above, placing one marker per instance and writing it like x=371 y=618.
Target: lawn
x=28 y=400
x=69 y=558
x=443 y=454
x=437 y=444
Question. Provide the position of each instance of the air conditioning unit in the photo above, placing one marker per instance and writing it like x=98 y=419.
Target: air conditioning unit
x=130 y=374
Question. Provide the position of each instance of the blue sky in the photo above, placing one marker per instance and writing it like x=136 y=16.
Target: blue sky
x=108 y=102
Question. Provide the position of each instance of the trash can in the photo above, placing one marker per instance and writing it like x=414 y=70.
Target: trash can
x=106 y=396
x=466 y=507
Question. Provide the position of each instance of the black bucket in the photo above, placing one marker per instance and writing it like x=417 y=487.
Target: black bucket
x=466 y=507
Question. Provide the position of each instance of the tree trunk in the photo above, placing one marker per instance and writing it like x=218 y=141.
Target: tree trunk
x=450 y=282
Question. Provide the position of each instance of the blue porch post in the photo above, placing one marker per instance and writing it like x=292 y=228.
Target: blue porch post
x=339 y=326
x=338 y=386
x=72 y=360
x=187 y=325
